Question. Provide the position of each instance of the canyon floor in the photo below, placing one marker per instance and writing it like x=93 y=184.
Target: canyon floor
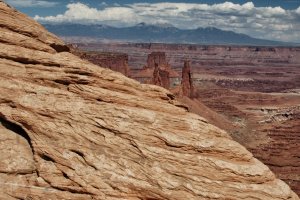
x=251 y=92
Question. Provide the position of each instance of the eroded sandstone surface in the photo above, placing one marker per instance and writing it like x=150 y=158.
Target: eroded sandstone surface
x=72 y=130
x=251 y=92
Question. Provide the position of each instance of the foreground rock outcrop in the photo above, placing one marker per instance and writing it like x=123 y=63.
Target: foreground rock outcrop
x=72 y=130
x=232 y=87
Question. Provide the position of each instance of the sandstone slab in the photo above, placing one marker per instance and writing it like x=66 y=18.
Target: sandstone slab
x=87 y=132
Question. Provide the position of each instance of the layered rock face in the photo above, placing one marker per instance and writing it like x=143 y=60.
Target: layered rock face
x=232 y=84
x=157 y=72
x=158 y=58
x=114 y=61
x=281 y=153
x=266 y=124
x=72 y=130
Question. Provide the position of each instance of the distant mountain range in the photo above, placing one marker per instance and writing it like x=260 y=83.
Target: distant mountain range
x=162 y=33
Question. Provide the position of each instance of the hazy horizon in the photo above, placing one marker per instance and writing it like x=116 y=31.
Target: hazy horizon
x=277 y=20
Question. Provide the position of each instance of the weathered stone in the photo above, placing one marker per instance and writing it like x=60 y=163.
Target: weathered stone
x=161 y=77
x=158 y=58
x=90 y=133
x=231 y=86
x=186 y=82
x=115 y=61
x=157 y=72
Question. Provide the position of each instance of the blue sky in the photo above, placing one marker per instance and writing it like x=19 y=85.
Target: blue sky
x=60 y=5
x=267 y=19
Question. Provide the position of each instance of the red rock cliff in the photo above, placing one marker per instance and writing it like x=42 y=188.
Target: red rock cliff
x=158 y=58
x=114 y=61
x=161 y=77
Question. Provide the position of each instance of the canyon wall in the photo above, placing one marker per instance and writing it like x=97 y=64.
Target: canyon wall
x=157 y=58
x=112 y=60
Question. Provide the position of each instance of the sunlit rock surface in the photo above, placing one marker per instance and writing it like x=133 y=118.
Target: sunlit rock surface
x=72 y=130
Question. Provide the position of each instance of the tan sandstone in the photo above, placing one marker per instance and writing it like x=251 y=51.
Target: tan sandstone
x=72 y=130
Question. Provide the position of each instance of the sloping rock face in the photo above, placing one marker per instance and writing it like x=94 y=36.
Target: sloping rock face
x=72 y=130
x=267 y=77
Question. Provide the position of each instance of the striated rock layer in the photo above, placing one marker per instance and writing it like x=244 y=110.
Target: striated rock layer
x=233 y=88
x=72 y=130
x=115 y=61
x=157 y=58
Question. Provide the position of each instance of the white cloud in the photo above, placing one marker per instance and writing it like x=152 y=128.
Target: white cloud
x=298 y=10
x=81 y=13
x=263 y=22
x=270 y=11
x=31 y=3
